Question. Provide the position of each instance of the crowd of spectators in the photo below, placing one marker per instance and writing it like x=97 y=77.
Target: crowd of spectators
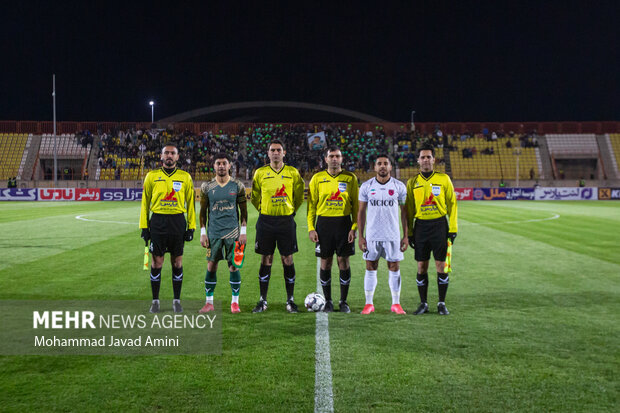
x=358 y=147
x=249 y=148
x=195 y=151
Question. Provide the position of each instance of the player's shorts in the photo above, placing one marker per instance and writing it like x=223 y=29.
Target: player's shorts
x=276 y=230
x=334 y=237
x=431 y=235
x=167 y=232
x=221 y=249
x=390 y=250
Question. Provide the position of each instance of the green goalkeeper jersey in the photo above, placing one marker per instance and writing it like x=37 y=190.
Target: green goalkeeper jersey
x=222 y=203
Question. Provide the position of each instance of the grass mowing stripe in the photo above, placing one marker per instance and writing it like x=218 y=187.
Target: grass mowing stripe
x=323 y=392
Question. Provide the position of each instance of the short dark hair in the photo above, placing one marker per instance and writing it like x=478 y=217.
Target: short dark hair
x=170 y=144
x=331 y=148
x=383 y=155
x=222 y=155
x=426 y=147
x=276 y=142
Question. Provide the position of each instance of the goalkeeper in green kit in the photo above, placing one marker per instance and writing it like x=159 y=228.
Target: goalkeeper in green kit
x=223 y=205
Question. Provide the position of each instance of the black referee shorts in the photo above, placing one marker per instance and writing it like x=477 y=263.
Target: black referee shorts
x=431 y=235
x=167 y=232
x=276 y=230
x=334 y=237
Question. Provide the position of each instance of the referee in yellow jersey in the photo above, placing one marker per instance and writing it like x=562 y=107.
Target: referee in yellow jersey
x=167 y=196
x=332 y=222
x=277 y=193
x=430 y=199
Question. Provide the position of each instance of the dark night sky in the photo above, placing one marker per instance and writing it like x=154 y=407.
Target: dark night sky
x=450 y=61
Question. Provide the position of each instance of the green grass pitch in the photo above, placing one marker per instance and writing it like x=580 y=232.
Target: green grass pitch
x=534 y=325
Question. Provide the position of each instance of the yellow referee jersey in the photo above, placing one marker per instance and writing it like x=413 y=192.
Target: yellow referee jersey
x=165 y=193
x=431 y=198
x=277 y=193
x=332 y=196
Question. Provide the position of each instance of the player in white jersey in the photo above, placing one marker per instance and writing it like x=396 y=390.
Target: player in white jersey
x=380 y=199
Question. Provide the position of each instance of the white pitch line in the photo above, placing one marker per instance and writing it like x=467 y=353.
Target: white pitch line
x=556 y=216
x=323 y=393
x=81 y=218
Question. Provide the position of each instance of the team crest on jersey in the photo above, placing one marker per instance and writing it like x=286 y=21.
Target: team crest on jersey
x=342 y=186
x=391 y=192
x=436 y=190
x=177 y=185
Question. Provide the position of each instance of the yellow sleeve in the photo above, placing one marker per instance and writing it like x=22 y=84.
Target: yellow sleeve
x=255 y=198
x=147 y=191
x=191 y=204
x=451 y=207
x=410 y=203
x=313 y=198
x=355 y=205
x=298 y=190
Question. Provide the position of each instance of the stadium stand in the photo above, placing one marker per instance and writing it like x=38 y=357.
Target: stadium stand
x=479 y=158
x=614 y=141
x=67 y=146
x=128 y=151
x=566 y=145
x=12 y=146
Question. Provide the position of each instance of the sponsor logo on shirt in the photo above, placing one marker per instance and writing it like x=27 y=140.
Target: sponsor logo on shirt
x=169 y=200
x=382 y=202
x=334 y=200
x=280 y=196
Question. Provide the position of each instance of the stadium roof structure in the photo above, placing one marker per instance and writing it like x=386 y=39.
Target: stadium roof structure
x=271 y=111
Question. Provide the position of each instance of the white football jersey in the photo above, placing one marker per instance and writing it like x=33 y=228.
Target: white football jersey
x=382 y=210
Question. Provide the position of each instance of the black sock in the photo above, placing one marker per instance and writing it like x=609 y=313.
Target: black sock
x=422 y=281
x=177 y=281
x=264 y=273
x=326 y=283
x=289 y=280
x=155 y=282
x=443 y=280
x=345 y=281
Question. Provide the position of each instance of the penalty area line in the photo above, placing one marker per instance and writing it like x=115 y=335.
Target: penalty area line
x=323 y=393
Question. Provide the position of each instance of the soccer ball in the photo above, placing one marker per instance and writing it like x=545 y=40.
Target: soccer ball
x=315 y=302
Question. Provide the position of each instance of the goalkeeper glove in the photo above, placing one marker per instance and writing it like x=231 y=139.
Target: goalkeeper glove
x=411 y=241
x=146 y=234
x=189 y=235
x=452 y=236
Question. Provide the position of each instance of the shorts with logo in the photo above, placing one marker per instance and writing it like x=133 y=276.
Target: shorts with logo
x=167 y=232
x=431 y=235
x=221 y=249
x=334 y=237
x=276 y=230
x=390 y=250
